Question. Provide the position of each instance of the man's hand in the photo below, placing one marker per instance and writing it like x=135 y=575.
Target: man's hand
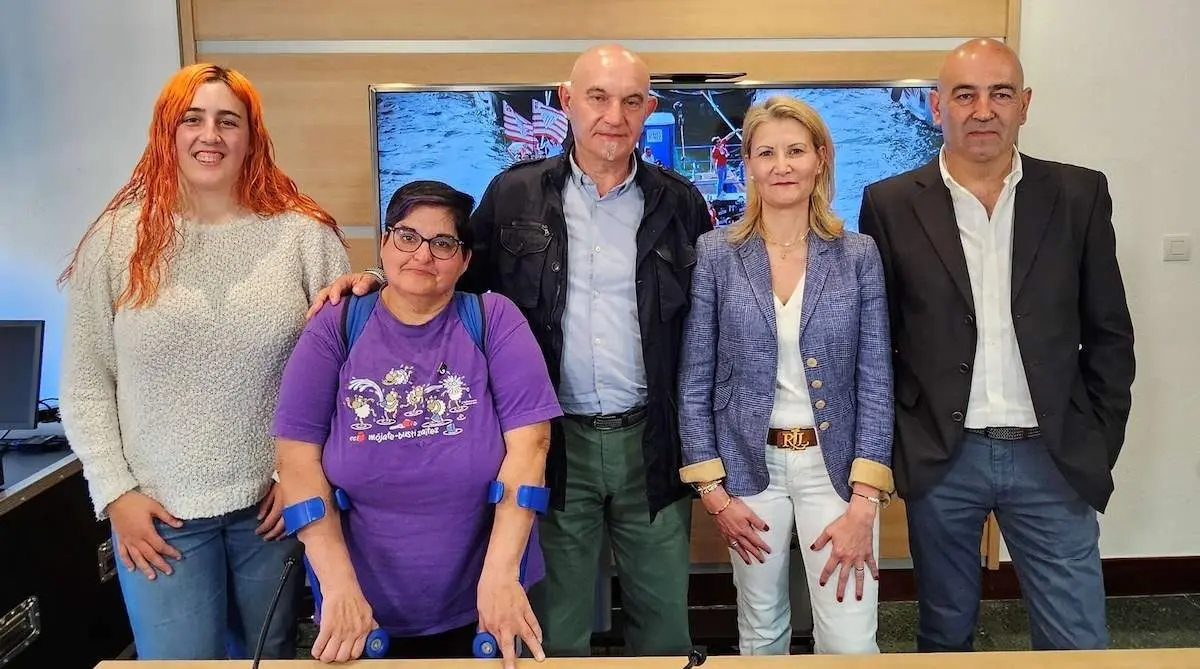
x=360 y=284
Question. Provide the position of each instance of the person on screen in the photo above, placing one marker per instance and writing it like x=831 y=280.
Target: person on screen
x=413 y=423
x=720 y=162
x=171 y=366
x=787 y=338
x=560 y=237
x=1014 y=357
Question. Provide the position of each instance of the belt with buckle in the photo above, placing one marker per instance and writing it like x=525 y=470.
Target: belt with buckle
x=612 y=421
x=1007 y=433
x=796 y=438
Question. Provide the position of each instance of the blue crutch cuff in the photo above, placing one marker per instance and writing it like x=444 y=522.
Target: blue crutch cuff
x=532 y=497
x=302 y=514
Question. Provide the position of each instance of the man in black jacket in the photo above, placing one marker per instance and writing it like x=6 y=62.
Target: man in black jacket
x=1013 y=353
x=597 y=247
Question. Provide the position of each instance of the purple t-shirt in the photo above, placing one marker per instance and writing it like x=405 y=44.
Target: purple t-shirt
x=412 y=426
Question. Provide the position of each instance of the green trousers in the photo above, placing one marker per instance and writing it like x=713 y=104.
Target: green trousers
x=606 y=490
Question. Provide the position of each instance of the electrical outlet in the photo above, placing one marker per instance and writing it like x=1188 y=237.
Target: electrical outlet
x=1177 y=248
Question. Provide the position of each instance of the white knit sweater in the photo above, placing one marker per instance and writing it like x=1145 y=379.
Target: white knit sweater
x=176 y=399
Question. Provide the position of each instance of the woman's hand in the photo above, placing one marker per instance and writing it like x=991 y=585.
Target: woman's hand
x=852 y=535
x=346 y=620
x=504 y=612
x=138 y=542
x=359 y=283
x=738 y=524
x=270 y=512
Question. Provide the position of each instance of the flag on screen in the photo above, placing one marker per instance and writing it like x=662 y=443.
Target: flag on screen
x=549 y=122
x=517 y=127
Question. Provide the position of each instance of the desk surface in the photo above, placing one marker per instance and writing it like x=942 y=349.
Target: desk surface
x=28 y=475
x=1171 y=658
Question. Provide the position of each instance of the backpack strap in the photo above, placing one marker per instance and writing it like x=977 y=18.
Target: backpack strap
x=357 y=309
x=355 y=313
x=471 y=313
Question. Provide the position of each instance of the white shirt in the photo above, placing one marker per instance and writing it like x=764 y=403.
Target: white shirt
x=999 y=391
x=793 y=406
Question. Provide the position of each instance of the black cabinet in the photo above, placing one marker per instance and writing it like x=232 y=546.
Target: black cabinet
x=58 y=586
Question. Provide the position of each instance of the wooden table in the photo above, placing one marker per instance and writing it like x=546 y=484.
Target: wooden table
x=1173 y=658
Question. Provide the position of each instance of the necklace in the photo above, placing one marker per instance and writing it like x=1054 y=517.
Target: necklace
x=787 y=246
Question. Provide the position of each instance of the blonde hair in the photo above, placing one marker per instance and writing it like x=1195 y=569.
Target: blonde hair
x=821 y=218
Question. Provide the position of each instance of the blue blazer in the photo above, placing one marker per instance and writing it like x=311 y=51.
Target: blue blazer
x=730 y=353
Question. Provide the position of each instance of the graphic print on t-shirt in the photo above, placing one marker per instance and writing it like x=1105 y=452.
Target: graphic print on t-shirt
x=399 y=408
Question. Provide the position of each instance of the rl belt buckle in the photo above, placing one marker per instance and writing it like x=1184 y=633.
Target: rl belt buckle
x=795 y=439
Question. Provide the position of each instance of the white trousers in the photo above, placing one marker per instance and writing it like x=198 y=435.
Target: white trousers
x=800 y=491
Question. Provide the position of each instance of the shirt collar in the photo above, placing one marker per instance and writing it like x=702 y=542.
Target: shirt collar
x=1011 y=180
x=582 y=180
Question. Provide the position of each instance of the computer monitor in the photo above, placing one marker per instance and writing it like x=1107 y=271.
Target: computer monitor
x=20 y=373
x=466 y=134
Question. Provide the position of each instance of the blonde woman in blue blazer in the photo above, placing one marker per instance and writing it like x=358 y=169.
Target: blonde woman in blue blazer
x=786 y=390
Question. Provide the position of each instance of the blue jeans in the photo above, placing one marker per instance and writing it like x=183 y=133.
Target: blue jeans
x=213 y=604
x=1051 y=533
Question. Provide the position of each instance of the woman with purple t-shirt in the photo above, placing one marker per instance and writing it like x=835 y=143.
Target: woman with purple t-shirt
x=413 y=423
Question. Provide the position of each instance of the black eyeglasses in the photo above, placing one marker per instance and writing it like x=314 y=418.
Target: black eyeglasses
x=442 y=247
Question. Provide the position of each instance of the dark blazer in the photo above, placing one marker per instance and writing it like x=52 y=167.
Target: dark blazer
x=1069 y=313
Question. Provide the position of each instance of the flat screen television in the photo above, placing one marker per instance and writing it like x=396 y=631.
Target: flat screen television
x=464 y=135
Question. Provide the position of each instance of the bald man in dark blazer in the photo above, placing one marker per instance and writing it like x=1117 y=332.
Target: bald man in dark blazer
x=1013 y=359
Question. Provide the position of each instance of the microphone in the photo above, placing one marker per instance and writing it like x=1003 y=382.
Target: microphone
x=288 y=565
x=695 y=658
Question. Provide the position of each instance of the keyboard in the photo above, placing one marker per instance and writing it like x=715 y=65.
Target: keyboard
x=42 y=443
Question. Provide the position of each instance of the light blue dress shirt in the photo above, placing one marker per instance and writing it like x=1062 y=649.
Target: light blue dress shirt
x=603 y=371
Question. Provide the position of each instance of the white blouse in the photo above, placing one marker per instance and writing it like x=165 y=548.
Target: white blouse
x=793 y=406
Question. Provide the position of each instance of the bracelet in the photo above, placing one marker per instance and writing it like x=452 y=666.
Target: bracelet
x=728 y=501
x=877 y=501
x=705 y=488
x=376 y=272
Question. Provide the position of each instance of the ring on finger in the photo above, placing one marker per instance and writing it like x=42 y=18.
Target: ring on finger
x=859 y=568
x=734 y=543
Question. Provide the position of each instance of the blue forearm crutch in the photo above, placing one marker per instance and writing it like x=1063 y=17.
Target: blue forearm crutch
x=536 y=498
x=300 y=514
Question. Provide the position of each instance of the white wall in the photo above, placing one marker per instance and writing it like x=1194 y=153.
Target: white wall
x=1114 y=88
x=78 y=81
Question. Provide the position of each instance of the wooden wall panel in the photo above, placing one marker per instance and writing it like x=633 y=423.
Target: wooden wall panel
x=363 y=251
x=578 y=19
x=187 y=33
x=893 y=532
x=317 y=105
x=708 y=547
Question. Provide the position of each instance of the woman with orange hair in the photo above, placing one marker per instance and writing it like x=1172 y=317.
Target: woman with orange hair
x=172 y=362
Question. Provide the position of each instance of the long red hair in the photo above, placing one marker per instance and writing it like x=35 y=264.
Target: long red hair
x=263 y=188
